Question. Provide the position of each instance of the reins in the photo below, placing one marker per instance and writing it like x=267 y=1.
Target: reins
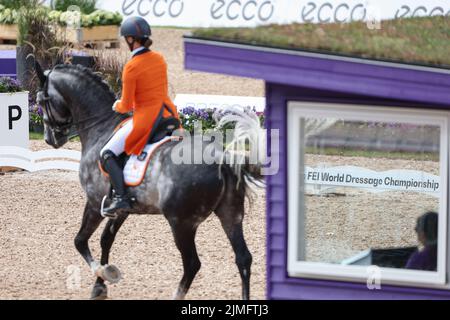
x=65 y=129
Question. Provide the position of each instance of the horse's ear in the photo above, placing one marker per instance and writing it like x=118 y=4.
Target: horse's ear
x=40 y=73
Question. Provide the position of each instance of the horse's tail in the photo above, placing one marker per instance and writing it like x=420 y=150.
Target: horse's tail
x=245 y=153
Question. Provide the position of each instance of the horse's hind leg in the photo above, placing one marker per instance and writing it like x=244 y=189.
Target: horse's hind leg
x=108 y=236
x=231 y=215
x=184 y=234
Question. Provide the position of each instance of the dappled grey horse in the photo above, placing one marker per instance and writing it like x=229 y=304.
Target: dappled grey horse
x=186 y=194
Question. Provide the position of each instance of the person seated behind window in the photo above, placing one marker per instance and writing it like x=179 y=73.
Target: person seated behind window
x=427 y=230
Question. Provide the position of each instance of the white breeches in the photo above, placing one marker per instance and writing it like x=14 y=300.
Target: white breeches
x=117 y=142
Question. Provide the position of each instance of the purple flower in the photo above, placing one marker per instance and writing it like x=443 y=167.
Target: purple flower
x=188 y=111
x=201 y=114
x=9 y=85
x=16 y=82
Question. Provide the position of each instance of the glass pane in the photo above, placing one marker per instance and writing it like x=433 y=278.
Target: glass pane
x=372 y=192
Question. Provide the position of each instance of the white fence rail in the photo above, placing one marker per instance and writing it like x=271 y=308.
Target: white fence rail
x=39 y=160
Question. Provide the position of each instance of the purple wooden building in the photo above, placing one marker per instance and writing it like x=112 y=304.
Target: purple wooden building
x=7 y=63
x=301 y=86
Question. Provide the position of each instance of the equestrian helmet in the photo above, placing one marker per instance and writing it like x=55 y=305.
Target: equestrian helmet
x=136 y=27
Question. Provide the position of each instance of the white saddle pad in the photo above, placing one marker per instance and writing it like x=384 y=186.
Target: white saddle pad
x=136 y=166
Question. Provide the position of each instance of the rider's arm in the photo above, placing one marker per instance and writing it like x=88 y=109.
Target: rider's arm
x=126 y=104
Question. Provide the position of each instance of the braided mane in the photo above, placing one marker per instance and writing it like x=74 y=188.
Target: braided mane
x=87 y=73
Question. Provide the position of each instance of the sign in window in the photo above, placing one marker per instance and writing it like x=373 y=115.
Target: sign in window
x=367 y=187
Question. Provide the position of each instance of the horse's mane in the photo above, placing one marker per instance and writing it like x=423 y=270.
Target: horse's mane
x=87 y=73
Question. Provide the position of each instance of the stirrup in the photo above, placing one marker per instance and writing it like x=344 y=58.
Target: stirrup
x=115 y=215
x=112 y=216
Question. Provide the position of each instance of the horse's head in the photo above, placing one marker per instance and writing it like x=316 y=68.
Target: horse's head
x=56 y=112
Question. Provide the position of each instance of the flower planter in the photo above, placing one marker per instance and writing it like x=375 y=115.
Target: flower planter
x=8 y=32
x=70 y=35
x=94 y=34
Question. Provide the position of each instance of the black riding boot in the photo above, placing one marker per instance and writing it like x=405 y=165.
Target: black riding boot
x=121 y=200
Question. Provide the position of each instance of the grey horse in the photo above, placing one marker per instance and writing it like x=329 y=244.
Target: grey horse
x=186 y=194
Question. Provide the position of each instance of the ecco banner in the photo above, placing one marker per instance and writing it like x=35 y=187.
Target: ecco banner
x=248 y=13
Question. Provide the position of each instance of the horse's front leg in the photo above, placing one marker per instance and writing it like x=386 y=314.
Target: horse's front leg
x=90 y=223
x=107 y=272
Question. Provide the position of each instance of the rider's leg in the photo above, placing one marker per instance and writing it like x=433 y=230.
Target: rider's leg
x=111 y=166
x=117 y=143
x=109 y=159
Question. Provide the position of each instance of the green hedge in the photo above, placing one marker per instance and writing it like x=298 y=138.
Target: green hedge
x=86 y=6
x=96 y=18
x=423 y=40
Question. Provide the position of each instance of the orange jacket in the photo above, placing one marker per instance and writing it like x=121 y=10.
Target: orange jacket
x=145 y=91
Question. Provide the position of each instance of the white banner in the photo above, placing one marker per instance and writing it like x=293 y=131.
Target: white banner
x=248 y=13
x=357 y=177
x=14 y=125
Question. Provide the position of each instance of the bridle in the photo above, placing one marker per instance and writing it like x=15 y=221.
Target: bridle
x=66 y=128
x=55 y=127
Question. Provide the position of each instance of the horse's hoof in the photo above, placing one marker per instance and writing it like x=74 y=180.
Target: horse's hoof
x=110 y=273
x=99 y=292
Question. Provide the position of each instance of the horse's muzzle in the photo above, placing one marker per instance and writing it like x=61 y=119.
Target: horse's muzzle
x=54 y=139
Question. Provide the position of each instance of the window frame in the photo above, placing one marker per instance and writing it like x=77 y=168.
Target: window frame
x=317 y=270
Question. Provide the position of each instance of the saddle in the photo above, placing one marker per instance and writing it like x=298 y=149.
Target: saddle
x=135 y=167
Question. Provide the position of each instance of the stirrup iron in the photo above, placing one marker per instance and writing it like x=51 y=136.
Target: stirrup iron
x=104 y=214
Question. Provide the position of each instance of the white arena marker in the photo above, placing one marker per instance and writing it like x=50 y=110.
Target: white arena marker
x=14 y=119
x=41 y=160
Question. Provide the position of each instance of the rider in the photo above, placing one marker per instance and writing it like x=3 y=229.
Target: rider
x=145 y=92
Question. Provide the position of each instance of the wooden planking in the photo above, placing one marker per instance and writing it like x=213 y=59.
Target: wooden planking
x=8 y=62
x=83 y=35
x=278 y=209
x=276 y=180
x=277 y=194
x=276 y=226
x=8 y=32
x=277 y=242
x=277 y=258
x=100 y=33
x=278 y=123
x=325 y=290
x=277 y=274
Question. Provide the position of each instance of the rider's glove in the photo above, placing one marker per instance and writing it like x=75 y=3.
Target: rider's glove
x=115 y=105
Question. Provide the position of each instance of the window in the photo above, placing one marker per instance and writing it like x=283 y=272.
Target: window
x=367 y=186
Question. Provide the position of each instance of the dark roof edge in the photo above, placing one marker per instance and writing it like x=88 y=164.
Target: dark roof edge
x=318 y=54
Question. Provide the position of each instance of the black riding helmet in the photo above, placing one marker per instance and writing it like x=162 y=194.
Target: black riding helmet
x=137 y=28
